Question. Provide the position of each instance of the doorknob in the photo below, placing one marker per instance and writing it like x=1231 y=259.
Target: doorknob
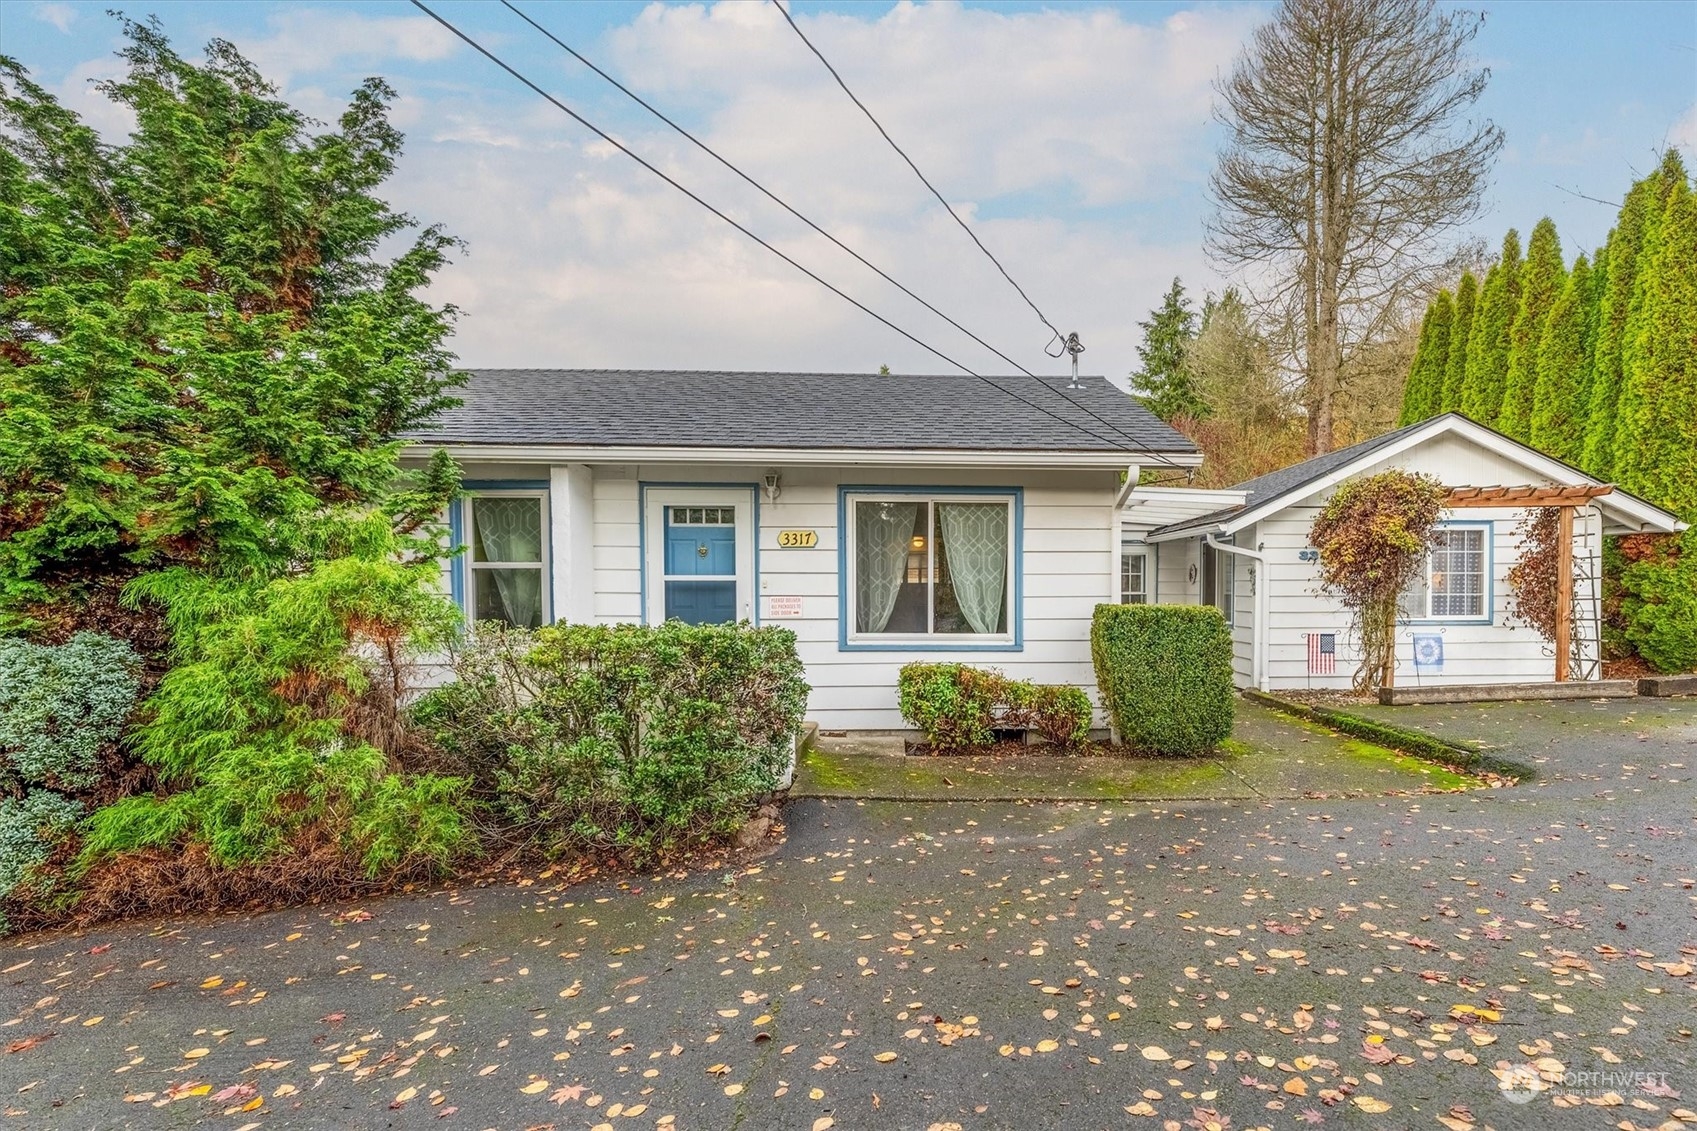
x=701 y=550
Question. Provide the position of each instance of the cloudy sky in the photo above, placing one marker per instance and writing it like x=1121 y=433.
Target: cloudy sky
x=1075 y=137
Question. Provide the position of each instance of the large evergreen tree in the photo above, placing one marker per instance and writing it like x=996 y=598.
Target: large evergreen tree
x=1423 y=393
x=1489 y=337
x=200 y=345
x=1655 y=440
x=1562 y=393
x=1541 y=280
x=1461 y=324
x=1163 y=383
x=1637 y=216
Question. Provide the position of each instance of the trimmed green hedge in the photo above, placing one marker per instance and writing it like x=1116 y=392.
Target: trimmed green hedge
x=958 y=707
x=645 y=738
x=1166 y=675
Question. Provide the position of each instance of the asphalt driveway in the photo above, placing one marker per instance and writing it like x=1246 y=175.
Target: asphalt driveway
x=1360 y=962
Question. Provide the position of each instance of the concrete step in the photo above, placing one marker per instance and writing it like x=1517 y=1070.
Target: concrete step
x=1495 y=692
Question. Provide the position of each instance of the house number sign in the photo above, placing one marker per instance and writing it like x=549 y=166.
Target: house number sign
x=797 y=539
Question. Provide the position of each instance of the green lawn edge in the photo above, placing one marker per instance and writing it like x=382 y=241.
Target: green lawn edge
x=1451 y=753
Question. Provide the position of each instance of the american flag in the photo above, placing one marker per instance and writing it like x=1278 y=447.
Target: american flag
x=1322 y=653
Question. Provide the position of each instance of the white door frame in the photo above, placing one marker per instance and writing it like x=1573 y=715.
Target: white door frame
x=654 y=502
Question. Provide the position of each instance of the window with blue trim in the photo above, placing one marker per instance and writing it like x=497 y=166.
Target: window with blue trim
x=1456 y=582
x=934 y=568
x=506 y=556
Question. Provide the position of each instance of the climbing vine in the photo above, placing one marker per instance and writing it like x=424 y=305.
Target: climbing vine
x=1533 y=579
x=1373 y=536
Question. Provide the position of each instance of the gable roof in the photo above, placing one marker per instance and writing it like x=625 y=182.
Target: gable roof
x=1271 y=492
x=693 y=409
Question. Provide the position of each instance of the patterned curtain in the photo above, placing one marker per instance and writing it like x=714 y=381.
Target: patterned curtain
x=881 y=535
x=510 y=530
x=975 y=544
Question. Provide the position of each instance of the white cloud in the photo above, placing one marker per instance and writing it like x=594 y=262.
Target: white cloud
x=1684 y=132
x=1063 y=134
x=1075 y=141
x=305 y=40
x=60 y=16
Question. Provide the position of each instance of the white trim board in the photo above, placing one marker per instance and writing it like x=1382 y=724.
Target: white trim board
x=1630 y=513
x=797 y=457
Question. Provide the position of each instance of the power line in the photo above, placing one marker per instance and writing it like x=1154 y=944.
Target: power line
x=787 y=207
x=762 y=189
x=922 y=178
x=621 y=147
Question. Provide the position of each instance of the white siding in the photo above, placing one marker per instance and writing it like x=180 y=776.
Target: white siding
x=1070 y=564
x=1501 y=651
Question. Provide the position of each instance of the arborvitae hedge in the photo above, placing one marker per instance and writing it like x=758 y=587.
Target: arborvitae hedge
x=1455 y=366
x=1599 y=369
x=1488 y=340
x=1541 y=281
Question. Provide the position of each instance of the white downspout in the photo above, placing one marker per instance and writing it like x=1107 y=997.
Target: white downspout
x=1258 y=643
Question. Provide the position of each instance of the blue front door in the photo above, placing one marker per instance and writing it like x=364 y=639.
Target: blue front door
x=701 y=564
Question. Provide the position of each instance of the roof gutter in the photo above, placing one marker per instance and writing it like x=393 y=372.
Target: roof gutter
x=1263 y=587
x=792 y=457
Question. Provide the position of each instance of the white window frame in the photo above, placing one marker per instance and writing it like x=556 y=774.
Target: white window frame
x=1144 y=595
x=929 y=640
x=1423 y=613
x=655 y=500
x=469 y=529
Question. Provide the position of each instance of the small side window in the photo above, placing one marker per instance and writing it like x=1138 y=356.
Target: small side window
x=1134 y=577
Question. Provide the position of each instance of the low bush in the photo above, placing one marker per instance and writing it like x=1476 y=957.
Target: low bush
x=277 y=728
x=1165 y=675
x=62 y=708
x=1659 y=602
x=957 y=707
x=62 y=711
x=639 y=738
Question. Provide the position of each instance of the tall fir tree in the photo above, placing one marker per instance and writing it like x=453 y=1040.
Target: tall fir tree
x=1562 y=393
x=1655 y=441
x=1541 y=281
x=1423 y=393
x=1455 y=365
x=1488 y=338
x=1163 y=383
x=1637 y=215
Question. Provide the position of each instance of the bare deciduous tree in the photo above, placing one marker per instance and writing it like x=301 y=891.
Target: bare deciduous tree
x=1352 y=157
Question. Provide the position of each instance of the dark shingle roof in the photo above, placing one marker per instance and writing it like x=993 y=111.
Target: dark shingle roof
x=686 y=408
x=1291 y=480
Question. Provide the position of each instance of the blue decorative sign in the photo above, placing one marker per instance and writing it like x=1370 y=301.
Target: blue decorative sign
x=1428 y=651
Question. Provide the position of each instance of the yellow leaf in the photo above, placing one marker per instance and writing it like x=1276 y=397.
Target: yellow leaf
x=212 y=983
x=405 y=1094
x=1371 y=1105
x=195 y=1054
x=253 y=1104
x=733 y=1089
x=885 y=1057
x=1296 y=1086
x=824 y=1123
x=1048 y=1045
x=1155 y=1052
x=534 y=1087
x=198 y=1090
x=1141 y=1107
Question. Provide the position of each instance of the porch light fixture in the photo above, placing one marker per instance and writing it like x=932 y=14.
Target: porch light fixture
x=773 y=488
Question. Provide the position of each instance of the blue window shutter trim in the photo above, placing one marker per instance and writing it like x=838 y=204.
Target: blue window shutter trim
x=456 y=564
x=1016 y=494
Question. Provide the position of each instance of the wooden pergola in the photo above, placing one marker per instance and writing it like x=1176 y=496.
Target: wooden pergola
x=1566 y=499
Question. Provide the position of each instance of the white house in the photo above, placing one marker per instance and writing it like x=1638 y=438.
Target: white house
x=883 y=518
x=1246 y=550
